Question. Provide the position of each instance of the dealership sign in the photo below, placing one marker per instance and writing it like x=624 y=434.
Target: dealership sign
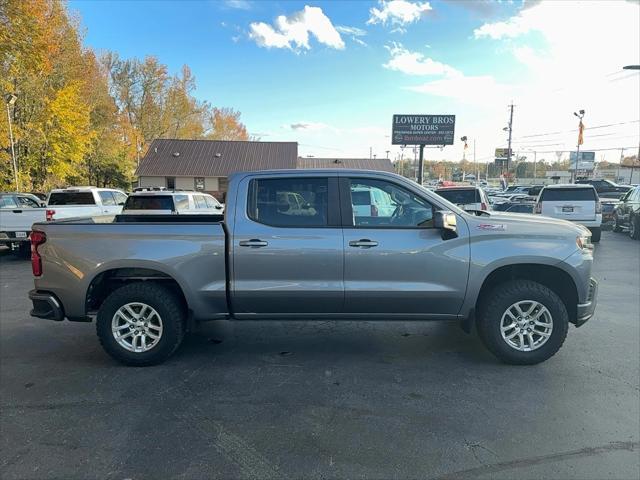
x=502 y=153
x=423 y=129
x=582 y=160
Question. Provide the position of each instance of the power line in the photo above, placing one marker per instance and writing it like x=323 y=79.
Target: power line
x=574 y=130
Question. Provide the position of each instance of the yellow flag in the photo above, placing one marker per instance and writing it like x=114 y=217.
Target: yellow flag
x=580 y=133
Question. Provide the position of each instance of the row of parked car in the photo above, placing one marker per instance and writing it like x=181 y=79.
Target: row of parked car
x=596 y=204
x=18 y=211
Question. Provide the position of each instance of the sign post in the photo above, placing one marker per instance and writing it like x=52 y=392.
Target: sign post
x=423 y=130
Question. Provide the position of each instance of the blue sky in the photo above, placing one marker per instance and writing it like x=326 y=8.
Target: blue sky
x=330 y=74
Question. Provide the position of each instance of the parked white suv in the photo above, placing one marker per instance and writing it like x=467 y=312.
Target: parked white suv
x=160 y=201
x=576 y=203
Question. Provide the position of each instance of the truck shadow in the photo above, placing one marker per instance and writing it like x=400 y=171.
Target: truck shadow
x=387 y=342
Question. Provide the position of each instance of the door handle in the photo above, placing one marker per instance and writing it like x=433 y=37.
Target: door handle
x=363 y=243
x=254 y=242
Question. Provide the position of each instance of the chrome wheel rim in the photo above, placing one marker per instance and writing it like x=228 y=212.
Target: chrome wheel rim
x=136 y=327
x=526 y=325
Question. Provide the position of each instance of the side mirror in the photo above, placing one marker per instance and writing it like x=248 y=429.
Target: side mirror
x=445 y=220
x=43 y=204
x=218 y=207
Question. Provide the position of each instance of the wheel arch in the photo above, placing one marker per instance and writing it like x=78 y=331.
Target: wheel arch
x=113 y=278
x=552 y=277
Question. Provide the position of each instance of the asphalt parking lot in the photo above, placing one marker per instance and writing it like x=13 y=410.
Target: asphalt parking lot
x=324 y=399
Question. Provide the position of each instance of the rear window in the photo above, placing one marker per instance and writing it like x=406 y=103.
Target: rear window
x=563 y=194
x=149 y=202
x=7 y=201
x=459 y=197
x=71 y=198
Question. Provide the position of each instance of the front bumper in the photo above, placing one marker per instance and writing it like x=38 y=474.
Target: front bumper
x=46 y=305
x=585 y=310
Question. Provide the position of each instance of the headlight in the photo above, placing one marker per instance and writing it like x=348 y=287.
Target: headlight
x=584 y=242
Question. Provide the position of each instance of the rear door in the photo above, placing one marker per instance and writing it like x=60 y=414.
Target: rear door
x=287 y=259
x=17 y=214
x=571 y=203
x=109 y=203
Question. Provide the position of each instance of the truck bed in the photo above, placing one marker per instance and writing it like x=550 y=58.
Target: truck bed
x=189 y=249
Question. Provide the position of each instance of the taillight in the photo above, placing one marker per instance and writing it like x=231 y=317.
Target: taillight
x=49 y=215
x=483 y=206
x=598 y=207
x=37 y=239
x=538 y=208
x=374 y=211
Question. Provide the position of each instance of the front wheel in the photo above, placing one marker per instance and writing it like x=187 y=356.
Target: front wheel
x=596 y=233
x=523 y=322
x=141 y=324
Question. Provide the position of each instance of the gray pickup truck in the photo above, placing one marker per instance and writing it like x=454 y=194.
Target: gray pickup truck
x=311 y=244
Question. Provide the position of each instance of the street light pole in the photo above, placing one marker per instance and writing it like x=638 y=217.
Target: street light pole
x=11 y=99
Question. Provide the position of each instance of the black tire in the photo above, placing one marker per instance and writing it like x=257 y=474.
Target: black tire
x=499 y=300
x=634 y=228
x=616 y=224
x=596 y=233
x=168 y=306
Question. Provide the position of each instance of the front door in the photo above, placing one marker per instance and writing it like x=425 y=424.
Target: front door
x=395 y=261
x=287 y=247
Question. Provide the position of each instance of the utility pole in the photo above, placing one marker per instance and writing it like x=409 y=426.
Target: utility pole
x=580 y=140
x=421 y=165
x=510 y=130
x=476 y=161
x=387 y=153
x=535 y=162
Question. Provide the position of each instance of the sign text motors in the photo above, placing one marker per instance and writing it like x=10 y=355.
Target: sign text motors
x=423 y=129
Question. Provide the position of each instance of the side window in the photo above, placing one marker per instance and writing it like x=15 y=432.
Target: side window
x=398 y=208
x=289 y=202
x=107 y=198
x=199 y=201
x=121 y=198
x=211 y=203
x=181 y=202
x=627 y=196
x=27 y=202
x=7 y=201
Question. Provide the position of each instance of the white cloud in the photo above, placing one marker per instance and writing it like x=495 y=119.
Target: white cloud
x=293 y=31
x=308 y=126
x=238 y=4
x=415 y=63
x=397 y=12
x=355 y=31
x=399 y=30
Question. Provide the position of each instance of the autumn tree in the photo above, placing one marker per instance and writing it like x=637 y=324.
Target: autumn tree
x=80 y=119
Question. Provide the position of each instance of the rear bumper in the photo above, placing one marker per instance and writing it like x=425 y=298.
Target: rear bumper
x=585 y=310
x=46 y=305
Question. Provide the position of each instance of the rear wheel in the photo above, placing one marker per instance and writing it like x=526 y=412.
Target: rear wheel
x=141 y=324
x=596 y=233
x=634 y=227
x=523 y=322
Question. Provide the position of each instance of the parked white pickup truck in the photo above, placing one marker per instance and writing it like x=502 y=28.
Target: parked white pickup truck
x=18 y=211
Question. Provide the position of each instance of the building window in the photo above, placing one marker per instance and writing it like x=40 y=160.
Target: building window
x=171 y=183
x=199 y=183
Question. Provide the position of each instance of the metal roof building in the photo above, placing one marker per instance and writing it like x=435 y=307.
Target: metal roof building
x=381 y=164
x=206 y=164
